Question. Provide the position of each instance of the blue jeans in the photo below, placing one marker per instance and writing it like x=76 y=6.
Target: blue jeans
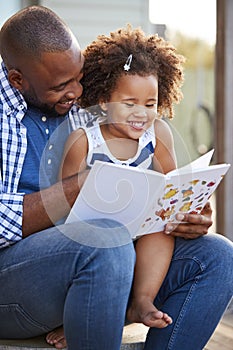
x=50 y=278
x=195 y=293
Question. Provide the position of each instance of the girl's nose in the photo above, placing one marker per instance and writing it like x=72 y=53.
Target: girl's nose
x=140 y=111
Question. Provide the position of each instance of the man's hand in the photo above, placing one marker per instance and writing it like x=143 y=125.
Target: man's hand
x=193 y=226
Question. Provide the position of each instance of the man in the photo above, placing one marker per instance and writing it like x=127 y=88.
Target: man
x=79 y=275
x=48 y=278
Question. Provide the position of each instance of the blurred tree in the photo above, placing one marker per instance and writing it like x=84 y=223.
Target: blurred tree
x=197 y=52
x=194 y=116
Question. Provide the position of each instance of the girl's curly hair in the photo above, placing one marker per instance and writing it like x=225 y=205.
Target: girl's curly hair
x=104 y=65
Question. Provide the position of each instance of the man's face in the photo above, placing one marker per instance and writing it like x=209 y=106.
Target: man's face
x=52 y=83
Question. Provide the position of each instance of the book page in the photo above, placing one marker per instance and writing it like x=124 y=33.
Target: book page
x=199 y=163
x=184 y=192
x=117 y=192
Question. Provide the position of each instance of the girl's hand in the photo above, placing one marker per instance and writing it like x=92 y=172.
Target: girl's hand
x=193 y=226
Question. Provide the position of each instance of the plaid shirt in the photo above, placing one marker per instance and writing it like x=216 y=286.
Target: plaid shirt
x=13 y=139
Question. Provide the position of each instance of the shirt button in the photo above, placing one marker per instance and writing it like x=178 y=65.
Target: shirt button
x=49 y=161
x=8 y=111
x=47 y=131
x=50 y=147
x=43 y=119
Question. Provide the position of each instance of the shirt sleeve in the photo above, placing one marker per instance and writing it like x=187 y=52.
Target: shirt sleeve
x=11 y=216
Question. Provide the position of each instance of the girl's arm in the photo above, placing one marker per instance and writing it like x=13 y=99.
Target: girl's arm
x=164 y=154
x=74 y=156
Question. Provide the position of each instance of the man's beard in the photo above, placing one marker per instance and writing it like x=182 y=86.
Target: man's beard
x=32 y=100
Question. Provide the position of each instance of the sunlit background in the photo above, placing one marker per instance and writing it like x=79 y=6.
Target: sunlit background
x=191 y=27
x=196 y=19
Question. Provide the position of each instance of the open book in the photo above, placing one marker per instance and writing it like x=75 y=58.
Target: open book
x=145 y=200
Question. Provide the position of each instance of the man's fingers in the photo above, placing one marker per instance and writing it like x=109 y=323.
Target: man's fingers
x=196 y=219
x=186 y=229
x=191 y=226
x=186 y=235
x=190 y=232
x=207 y=210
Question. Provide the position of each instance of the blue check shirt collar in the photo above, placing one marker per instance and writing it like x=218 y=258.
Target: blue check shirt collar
x=10 y=96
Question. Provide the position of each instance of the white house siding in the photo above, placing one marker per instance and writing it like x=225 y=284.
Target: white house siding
x=88 y=18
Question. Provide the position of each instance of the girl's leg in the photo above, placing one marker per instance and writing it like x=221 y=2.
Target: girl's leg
x=196 y=292
x=49 y=279
x=153 y=257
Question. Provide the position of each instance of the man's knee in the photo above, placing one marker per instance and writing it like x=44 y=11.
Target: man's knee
x=97 y=233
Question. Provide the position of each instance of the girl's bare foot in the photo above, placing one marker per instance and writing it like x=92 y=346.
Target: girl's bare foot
x=57 y=338
x=144 y=311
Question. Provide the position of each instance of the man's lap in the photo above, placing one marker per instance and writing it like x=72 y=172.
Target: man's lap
x=208 y=259
x=36 y=272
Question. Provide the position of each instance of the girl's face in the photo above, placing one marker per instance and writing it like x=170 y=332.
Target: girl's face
x=132 y=107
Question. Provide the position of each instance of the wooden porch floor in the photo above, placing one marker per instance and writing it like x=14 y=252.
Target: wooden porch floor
x=222 y=339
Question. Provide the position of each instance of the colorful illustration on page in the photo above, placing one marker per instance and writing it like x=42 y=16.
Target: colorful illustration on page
x=188 y=198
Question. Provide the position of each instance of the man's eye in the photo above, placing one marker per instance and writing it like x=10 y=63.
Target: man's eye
x=60 y=87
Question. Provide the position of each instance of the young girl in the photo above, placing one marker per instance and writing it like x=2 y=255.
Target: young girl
x=130 y=81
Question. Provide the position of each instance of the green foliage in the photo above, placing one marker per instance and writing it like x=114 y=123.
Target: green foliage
x=197 y=51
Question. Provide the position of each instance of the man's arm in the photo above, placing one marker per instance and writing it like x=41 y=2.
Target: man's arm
x=42 y=209
x=194 y=226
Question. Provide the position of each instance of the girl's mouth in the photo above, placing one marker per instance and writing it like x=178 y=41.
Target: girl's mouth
x=137 y=125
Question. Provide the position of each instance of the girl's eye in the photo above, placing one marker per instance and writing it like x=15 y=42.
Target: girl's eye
x=130 y=105
x=153 y=105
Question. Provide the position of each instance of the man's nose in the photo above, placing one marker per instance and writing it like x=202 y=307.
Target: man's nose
x=74 y=90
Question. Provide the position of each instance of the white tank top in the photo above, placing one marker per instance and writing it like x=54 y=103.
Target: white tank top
x=98 y=149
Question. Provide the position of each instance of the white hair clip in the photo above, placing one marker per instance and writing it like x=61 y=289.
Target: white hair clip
x=128 y=63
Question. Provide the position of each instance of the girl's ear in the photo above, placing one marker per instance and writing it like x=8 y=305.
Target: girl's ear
x=16 y=79
x=103 y=106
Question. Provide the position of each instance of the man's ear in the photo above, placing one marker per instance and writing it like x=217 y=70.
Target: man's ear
x=15 y=78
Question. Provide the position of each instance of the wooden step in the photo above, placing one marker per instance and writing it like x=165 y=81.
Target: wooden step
x=133 y=339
